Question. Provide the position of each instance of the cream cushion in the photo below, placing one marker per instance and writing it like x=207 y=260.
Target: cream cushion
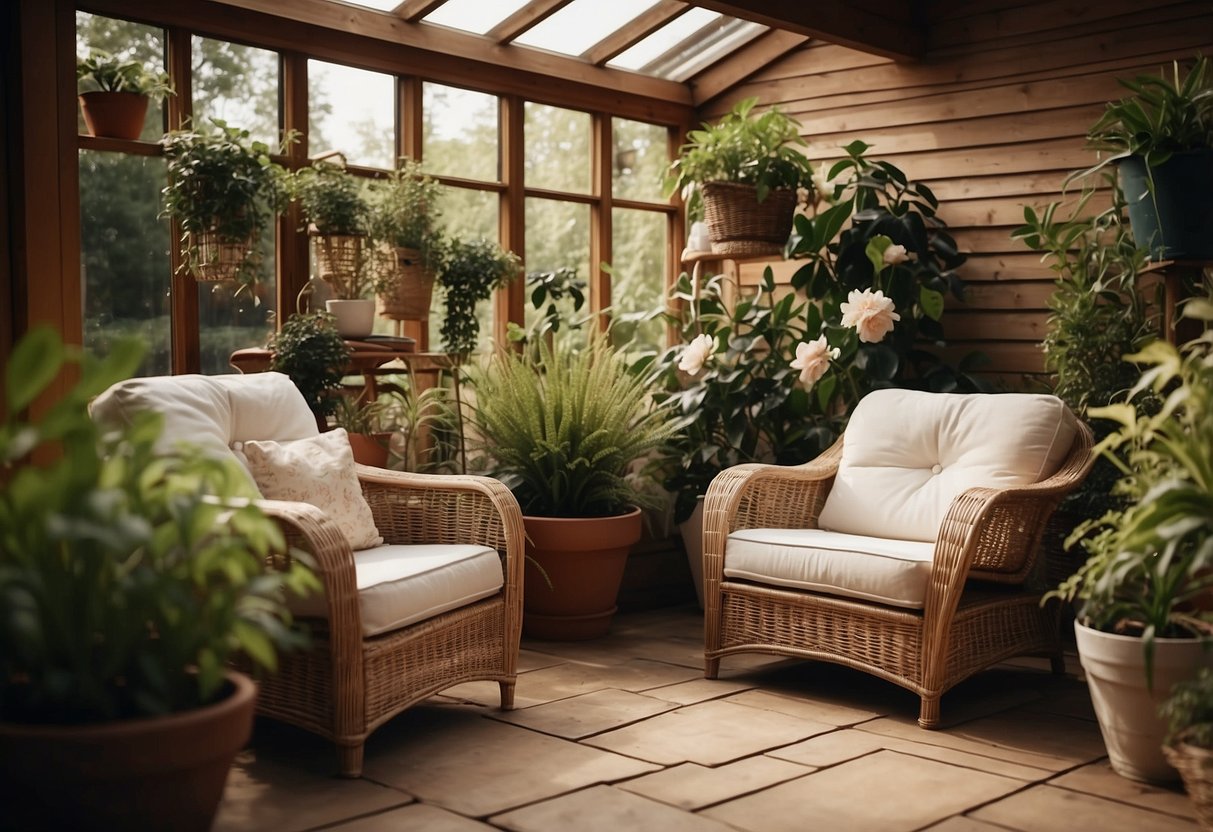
x=401 y=585
x=211 y=412
x=318 y=470
x=893 y=572
x=908 y=454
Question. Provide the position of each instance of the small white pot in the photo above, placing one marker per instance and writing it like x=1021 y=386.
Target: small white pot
x=691 y=530
x=354 y=318
x=1127 y=710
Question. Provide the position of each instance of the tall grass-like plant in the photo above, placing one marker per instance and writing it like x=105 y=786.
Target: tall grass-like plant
x=563 y=429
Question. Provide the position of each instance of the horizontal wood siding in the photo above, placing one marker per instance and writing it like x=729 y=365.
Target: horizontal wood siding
x=993 y=119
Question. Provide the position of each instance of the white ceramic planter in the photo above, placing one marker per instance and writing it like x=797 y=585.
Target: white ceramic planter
x=354 y=318
x=1126 y=709
x=691 y=530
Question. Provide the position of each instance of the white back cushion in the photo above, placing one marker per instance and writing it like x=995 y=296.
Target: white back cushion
x=908 y=454
x=211 y=412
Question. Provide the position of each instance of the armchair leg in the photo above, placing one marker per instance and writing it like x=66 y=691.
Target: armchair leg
x=711 y=668
x=507 y=695
x=928 y=713
x=349 y=759
x=1057 y=664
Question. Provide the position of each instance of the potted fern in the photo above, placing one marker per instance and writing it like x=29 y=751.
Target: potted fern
x=128 y=578
x=114 y=94
x=741 y=176
x=564 y=429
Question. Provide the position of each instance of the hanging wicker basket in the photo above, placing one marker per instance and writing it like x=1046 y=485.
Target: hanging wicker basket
x=213 y=258
x=1195 y=766
x=740 y=225
x=340 y=259
x=409 y=285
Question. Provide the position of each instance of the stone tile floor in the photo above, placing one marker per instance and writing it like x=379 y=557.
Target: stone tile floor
x=625 y=734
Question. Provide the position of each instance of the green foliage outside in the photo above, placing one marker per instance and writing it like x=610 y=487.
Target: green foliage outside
x=124 y=587
x=103 y=72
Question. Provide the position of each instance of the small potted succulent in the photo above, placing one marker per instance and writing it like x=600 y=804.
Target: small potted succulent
x=114 y=94
x=128 y=579
x=404 y=226
x=222 y=190
x=741 y=175
x=337 y=216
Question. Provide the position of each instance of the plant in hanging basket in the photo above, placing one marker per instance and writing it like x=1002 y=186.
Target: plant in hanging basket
x=114 y=94
x=337 y=216
x=471 y=270
x=741 y=176
x=223 y=188
x=404 y=217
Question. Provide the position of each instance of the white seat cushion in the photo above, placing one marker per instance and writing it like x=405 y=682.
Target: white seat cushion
x=893 y=572
x=907 y=455
x=401 y=585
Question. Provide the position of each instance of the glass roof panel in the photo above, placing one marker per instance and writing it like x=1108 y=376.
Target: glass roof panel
x=581 y=24
x=380 y=5
x=681 y=64
x=667 y=37
x=475 y=16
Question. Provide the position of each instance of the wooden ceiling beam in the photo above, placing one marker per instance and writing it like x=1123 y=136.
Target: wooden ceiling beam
x=637 y=30
x=416 y=9
x=844 y=22
x=742 y=63
x=325 y=29
x=532 y=14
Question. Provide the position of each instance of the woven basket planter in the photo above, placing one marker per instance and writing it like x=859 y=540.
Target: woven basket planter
x=1195 y=766
x=215 y=258
x=412 y=285
x=738 y=224
x=339 y=259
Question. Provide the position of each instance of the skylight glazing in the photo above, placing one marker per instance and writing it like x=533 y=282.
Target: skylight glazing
x=665 y=39
x=475 y=16
x=704 y=48
x=581 y=24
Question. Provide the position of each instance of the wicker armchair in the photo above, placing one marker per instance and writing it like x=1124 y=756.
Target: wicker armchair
x=963 y=601
x=350 y=682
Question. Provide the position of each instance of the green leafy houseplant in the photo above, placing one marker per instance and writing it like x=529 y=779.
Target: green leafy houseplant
x=470 y=271
x=1149 y=564
x=223 y=187
x=744 y=148
x=562 y=429
x=309 y=349
x=125 y=585
x=1189 y=711
x=102 y=72
x=338 y=217
x=404 y=209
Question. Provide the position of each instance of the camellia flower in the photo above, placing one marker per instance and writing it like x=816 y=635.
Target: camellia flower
x=697 y=353
x=870 y=313
x=895 y=254
x=823 y=185
x=813 y=359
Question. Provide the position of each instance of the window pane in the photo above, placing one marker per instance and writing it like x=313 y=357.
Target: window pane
x=557 y=148
x=459 y=137
x=469 y=215
x=124 y=255
x=557 y=237
x=229 y=320
x=638 y=282
x=127 y=41
x=641 y=157
x=238 y=84
x=354 y=111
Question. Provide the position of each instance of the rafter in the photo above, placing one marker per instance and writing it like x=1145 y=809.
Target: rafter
x=416 y=9
x=838 y=21
x=533 y=13
x=637 y=30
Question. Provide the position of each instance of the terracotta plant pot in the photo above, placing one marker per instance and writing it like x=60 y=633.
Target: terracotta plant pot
x=371 y=448
x=583 y=559
x=114 y=115
x=163 y=772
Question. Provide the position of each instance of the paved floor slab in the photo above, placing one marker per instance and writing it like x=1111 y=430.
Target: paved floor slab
x=1050 y=809
x=591 y=713
x=413 y=818
x=604 y=809
x=690 y=786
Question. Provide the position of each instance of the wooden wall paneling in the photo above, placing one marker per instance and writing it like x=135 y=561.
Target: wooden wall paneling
x=742 y=63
